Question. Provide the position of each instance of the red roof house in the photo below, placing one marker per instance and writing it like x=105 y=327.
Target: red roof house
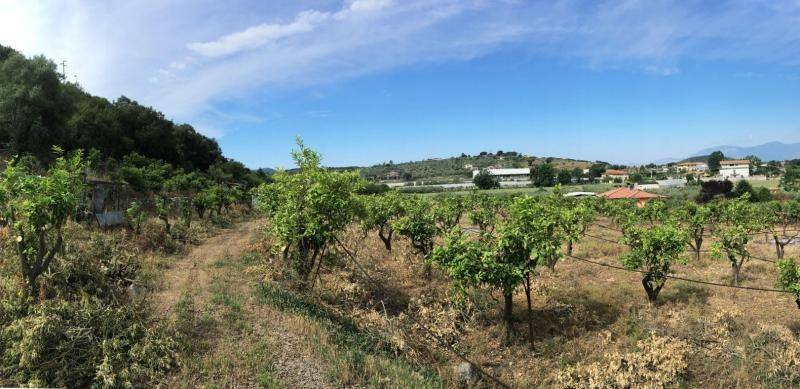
x=640 y=196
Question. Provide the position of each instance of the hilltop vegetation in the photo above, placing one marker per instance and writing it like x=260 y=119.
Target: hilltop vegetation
x=463 y=165
x=39 y=110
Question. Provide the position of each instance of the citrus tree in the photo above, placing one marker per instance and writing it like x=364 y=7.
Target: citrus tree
x=379 y=213
x=308 y=209
x=653 y=250
x=484 y=210
x=448 y=211
x=37 y=207
x=576 y=217
x=695 y=218
x=786 y=215
x=495 y=263
x=162 y=211
x=136 y=217
x=418 y=224
x=739 y=221
x=789 y=277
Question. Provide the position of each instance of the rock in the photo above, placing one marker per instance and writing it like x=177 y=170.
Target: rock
x=465 y=373
x=135 y=290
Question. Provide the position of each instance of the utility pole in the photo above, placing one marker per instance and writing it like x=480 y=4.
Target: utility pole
x=64 y=69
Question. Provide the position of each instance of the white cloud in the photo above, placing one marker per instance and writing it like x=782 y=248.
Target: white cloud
x=186 y=57
x=256 y=36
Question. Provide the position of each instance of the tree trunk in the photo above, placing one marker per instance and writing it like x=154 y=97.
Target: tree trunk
x=735 y=268
x=698 y=244
x=530 y=310
x=569 y=247
x=551 y=263
x=508 y=314
x=652 y=289
x=387 y=239
x=779 y=247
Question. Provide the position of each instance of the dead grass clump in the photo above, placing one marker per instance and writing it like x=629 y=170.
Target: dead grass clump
x=445 y=317
x=658 y=362
x=783 y=353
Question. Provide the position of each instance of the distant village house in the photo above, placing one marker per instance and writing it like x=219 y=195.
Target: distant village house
x=640 y=196
x=738 y=168
x=612 y=174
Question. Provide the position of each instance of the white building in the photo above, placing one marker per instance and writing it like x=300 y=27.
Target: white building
x=520 y=174
x=738 y=168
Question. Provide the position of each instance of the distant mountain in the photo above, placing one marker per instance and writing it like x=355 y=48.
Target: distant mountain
x=777 y=151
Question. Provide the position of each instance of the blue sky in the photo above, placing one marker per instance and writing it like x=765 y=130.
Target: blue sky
x=367 y=81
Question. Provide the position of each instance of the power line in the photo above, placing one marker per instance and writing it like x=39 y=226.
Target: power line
x=680 y=278
x=442 y=343
x=702 y=251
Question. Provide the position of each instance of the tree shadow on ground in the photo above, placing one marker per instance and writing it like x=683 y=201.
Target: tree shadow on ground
x=684 y=293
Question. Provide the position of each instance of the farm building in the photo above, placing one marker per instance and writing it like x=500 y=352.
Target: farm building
x=692 y=167
x=640 y=196
x=516 y=174
x=737 y=168
x=612 y=174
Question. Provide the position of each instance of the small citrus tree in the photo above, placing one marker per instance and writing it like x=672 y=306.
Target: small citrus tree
x=696 y=219
x=576 y=217
x=136 y=217
x=379 y=213
x=448 y=211
x=653 y=250
x=484 y=211
x=789 y=278
x=418 y=224
x=162 y=211
x=785 y=215
x=739 y=221
x=308 y=209
x=36 y=208
x=496 y=263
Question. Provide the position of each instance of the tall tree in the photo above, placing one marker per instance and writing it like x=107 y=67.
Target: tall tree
x=714 y=161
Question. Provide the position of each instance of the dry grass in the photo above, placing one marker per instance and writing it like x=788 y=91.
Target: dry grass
x=586 y=319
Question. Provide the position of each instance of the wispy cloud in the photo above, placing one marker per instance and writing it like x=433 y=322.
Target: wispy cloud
x=200 y=54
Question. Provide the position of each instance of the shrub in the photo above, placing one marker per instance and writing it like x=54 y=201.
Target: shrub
x=484 y=180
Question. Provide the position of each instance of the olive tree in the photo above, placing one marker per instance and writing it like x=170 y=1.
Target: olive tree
x=37 y=207
x=308 y=209
x=653 y=250
x=379 y=212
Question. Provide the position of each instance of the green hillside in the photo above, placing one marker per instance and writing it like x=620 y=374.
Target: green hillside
x=462 y=166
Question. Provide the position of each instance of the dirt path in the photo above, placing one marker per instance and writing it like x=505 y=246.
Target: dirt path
x=192 y=275
x=249 y=344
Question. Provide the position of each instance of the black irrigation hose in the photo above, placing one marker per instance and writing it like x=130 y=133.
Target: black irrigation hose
x=681 y=278
x=443 y=344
